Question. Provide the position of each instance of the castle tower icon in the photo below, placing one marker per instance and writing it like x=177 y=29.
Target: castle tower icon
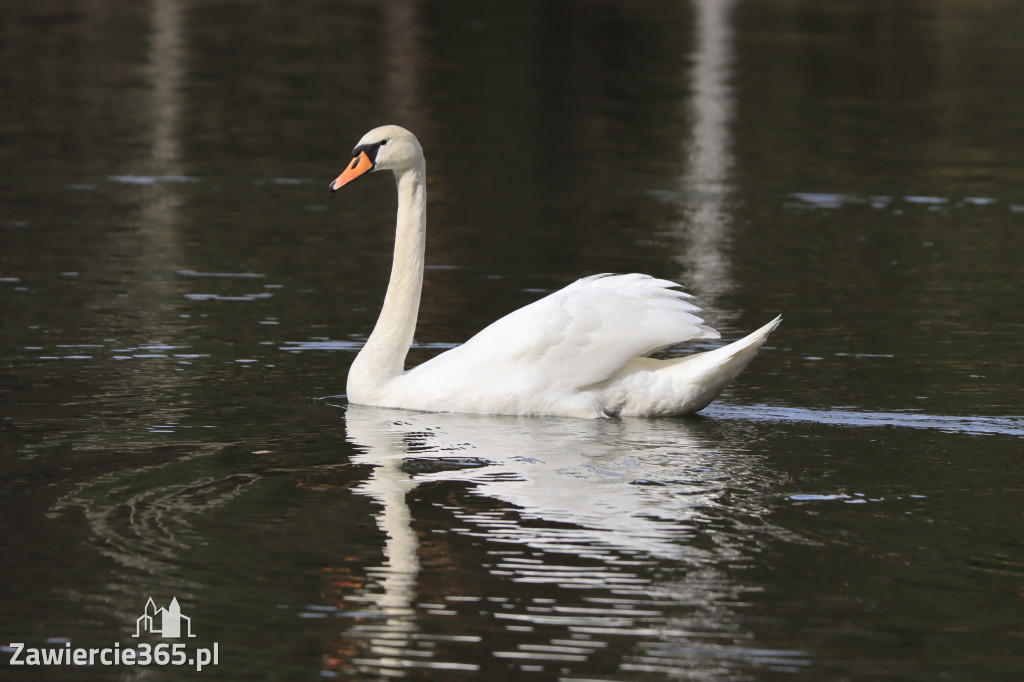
x=166 y=622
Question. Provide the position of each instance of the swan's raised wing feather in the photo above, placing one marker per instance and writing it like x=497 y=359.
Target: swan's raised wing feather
x=580 y=335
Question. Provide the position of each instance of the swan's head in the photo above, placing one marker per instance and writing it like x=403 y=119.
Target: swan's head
x=385 y=148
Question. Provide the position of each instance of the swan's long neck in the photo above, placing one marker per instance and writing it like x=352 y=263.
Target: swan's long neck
x=383 y=356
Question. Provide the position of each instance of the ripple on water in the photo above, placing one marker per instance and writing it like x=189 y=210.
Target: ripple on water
x=980 y=424
x=152 y=179
x=113 y=351
x=241 y=275
x=832 y=201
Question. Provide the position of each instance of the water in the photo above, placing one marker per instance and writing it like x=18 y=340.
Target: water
x=180 y=299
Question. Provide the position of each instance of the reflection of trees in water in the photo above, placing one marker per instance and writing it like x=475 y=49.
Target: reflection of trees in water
x=140 y=518
x=706 y=185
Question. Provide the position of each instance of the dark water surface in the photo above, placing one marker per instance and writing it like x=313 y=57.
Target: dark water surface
x=180 y=299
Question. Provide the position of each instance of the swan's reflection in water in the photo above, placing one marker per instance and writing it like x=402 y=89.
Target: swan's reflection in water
x=609 y=547
x=602 y=531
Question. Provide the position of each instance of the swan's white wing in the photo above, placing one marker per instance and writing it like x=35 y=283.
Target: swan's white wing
x=576 y=337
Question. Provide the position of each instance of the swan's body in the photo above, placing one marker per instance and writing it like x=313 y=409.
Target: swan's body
x=579 y=352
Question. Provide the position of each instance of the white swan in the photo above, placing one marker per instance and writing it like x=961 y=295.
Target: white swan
x=579 y=352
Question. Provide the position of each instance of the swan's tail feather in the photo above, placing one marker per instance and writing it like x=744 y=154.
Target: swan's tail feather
x=680 y=386
x=712 y=371
x=749 y=344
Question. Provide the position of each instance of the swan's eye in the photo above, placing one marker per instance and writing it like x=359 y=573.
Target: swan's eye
x=383 y=142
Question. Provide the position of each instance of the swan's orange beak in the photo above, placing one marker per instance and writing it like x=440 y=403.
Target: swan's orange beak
x=360 y=164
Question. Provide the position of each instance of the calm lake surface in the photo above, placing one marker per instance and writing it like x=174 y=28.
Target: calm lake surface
x=180 y=299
